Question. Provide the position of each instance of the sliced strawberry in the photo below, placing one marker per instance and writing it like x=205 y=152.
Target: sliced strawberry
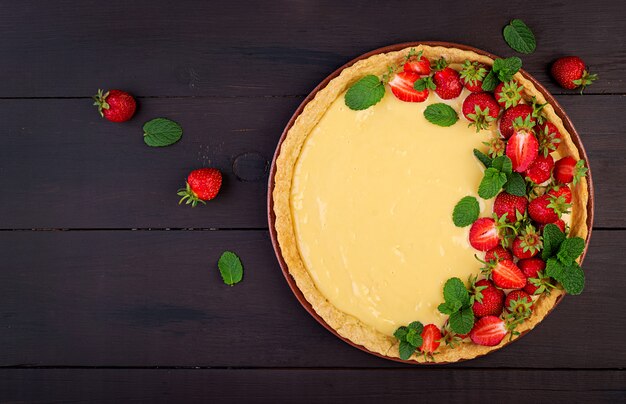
x=510 y=115
x=402 y=87
x=522 y=148
x=484 y=234
x=488 y=331
x=509 y=204
x=506 y=275
x=541 y=169
x=418 y=64
x=448 y=83
x=497 y=254
x=431 y=337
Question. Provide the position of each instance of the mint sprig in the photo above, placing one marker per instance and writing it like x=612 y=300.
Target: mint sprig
x=515 y=184
x=441 y=114
x=519 y=36
x=499 y=174
x=560 y=254
x=410 y=338
x=465 y=212
x=502 y=70
x=457 y=304
x=364 y=93
x=230 y=268
x=160 y=132
x=483 y=158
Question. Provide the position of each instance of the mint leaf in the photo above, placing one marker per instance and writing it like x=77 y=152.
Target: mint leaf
x=552 y=239
x=503 y=164
x=160 y=132
x=515 y=184
x=519 y=37
x=455 y=291
x=441 y=114
x=490 y=82
x=570 y=249
x=416 y=326
x=424 y=83
x=483 y=158
x=491 y=183
x=406 y=350
x=400 y=333
x=414 y=338
x=449 y=307
x=364 y=93
x=506 y=68
x=573 y=279
x=462 y=321
x=230 y=268
x=465 y=212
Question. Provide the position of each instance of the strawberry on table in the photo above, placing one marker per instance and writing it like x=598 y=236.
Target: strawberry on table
x=402 y=87
x=522 y=147
x=568 y=170
x=447 y=81
x=480 y=109
x=488 y=331
x=508 y=94
x=540 y=170
x=509 y=204
x=115 y=105
x=472 y=75
x=510 y=115
x=497 y=254
x=431 y=337
x=570 y=72
x=488 y=300
x=202 y=185
x=484 y=234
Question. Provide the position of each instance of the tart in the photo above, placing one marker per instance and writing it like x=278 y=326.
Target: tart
x=399 y=222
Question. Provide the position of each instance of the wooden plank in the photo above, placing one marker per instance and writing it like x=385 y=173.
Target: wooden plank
x=159 y=47
x=64 y=167
x=155 y=298
x=311 y=386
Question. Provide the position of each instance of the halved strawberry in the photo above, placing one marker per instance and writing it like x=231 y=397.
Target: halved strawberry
x=497 y=254
x=402 y=87
x=568 y=170
x=541 y=169
x=522 y=147
x=472 y=75
x=480 y=109
x=484 y=234
x=508 y=94
x=417 y=64
x=488 y=331
x=448 y=83
x=549 y=138
x=510 y=115
x=506 y=275
x=509 y=204
x=431 y=339
x=488 y=300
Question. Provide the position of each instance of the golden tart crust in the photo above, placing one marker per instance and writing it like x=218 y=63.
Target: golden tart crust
x=346 y=325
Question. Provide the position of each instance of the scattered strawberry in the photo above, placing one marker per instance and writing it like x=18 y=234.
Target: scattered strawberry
x=431 y=336
x=203 y=185
x=535 y=281
x=540 y=170
x=480 y=109
x=508 y=204
x=570 y=72
x=472 y=75
x=506 y=275
x=519 y=302
x=568 y=170
x=547 y=208
x=488 y=331
x=510 y=115
x=488 y=300
x=508 y=94
x=561 y=190
x=402 y=87
x=484 y=234
x=527 y=244
x=497 y=254
x=115 y=105
x=549 y=138
x=522 y=147
x=447 y=80
x=417 y=64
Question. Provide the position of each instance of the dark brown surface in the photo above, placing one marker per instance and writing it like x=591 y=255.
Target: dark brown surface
x=232 y=74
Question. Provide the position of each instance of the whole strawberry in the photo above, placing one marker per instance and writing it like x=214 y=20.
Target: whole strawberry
x=510 y=115
x=508 y=94
x=536 y=282
x=488 y=300
x=570 y=72
x=510 y=205
x=203 y=185
x=480 y=109
x=547 y=208
x=549 y=138
x=447 y=81
x=498 y=253
x=519 y=303
x=527 y=244
x=568 y=170
x=472 y=75
x=417 y=64
x=561 y=190
x=115 y=105
x=540 y=170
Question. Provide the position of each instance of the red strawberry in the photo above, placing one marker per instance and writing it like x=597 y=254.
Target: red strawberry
x=508 y=204
x=498 y=253
x=506 y=275
x=508 y=94
x=559 y=223
x=203 y=185
x=497 y=146
x=480 y=109
x=402 y=87
x=488 y=331
x=531 y=268
x=417 y=64
x=115 y=105
x=448 y=83
x=472 y=75
x=484 y=234
x=562 y=190
x=568 y=170
x=488 y=299
x=527 y=244
x=520 y=303
x=547 y=208
x=570 y=72
x=431 y=337
x=549 y=138
x=540 y=170
x=510 y=115
x=522 y=147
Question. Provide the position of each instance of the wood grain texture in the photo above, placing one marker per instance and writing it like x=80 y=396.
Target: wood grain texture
x=311 y=386
x=159 y=47
x=65 y=167
x=148 y=298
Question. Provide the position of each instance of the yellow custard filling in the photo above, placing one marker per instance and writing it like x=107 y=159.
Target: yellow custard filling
x=372 y=199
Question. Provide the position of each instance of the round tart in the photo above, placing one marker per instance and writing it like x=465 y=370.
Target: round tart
x=368 y=174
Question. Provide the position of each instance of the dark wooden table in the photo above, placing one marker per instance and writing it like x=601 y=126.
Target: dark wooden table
x=109 y=290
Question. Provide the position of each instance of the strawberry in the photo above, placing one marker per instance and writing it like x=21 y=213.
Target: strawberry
x=561 y=190
x=417 y=64
x=115 y=105
x=488 y=300
x=508 y=204
x=510 y=115
x=570 y=72
x=559 y=223
x=447 y=80
x=547 y=208
x=488 y=331
x=497 y=146
x=568 y=170
x=522 y=147
x=508 y=94
x=549 y=138
x=497 y=254
x=472 y=75
x=203 y=185
x=520 y=303
x=536 y=282
x=527 y=244
x=484 y=234
x=431 y=337
x=402 y=87
x=540 y=170
x=506 y=275
x=480 y=109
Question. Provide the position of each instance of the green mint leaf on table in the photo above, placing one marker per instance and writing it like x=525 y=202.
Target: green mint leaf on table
x=406 y=350
x=483 y=158
x=506 y=68
x=161 y=132
x=503 y=164
x=462 y=321
x=491 y=183
x=364 y=93
x=465 y=212
x=230 y=268
x=519 y=37
x=570 y=249
x=441 y=114
x=552 y=239
x=515 y=184
x=455 y=291
x=490 y=82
